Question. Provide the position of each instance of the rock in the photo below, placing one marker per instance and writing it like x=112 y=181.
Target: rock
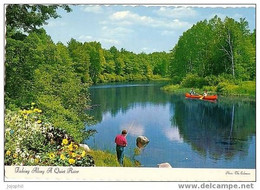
x=86 y=147
x=164 y=165
x=142 y=141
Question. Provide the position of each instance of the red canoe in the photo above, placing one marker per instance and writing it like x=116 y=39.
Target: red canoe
x=214 y=97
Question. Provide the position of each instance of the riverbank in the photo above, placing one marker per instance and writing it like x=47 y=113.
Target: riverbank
x=110 y=78
x=106 y=158
x=242 y=89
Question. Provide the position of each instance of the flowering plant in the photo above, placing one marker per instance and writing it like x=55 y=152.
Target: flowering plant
x=30 y=140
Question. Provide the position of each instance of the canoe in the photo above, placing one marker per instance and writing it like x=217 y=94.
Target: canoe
x=214 y=97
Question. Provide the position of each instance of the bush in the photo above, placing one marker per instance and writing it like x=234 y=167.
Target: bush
x=248 y=87
x=210 y=89
x=30 y=140
x=176 y=79
x=211 y=80
x=171 y=88
x=193 y=80
x=245 y=88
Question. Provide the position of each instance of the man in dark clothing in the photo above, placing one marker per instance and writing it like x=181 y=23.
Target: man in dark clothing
x=121 y=143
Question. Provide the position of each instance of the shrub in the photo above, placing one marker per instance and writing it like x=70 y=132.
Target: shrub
x=193 y=80
x=176 y=79
x=210 y=89
x=211 y=80
x=30 y=140
x=246 y=88
x=171 y=88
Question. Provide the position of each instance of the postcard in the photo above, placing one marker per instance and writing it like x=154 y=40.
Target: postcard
x=130 y=92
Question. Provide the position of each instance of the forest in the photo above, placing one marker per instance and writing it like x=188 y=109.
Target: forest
x=216 y=55
x=55 y=77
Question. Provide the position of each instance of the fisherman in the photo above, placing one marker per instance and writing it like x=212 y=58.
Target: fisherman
x=121 y=143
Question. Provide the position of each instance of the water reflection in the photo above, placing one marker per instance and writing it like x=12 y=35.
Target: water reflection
x=217 y=129
x=133 y=129
x=173 y=134
x=183 y=132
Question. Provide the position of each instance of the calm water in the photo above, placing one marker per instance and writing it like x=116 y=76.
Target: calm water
x=183 y=132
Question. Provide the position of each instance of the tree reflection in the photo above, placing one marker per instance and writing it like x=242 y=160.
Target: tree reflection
x=219 y=130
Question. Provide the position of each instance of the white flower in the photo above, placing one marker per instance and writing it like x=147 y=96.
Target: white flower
x=32 y=160
x=23 y=155
x=37 y=156
x=17 y=150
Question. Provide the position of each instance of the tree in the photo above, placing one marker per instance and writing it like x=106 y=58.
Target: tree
x=81 y=60
x=27 y=18
x=215 y=47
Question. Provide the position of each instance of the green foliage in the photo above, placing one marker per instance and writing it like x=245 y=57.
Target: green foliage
x=105 y=158
x=31 y=140
x=48 y=78
x=171 y=88
x=193 y=80
x=215 y=47
x=29 y=17
x=243 y=88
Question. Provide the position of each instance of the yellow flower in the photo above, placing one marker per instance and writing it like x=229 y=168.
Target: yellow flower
x=37 y=110
x=15 y=155
x=74 y=155
x=83 y=153
x=62 y=157
x=24 y=111
x=76 y=146
x=29 y=111
x=52 y=155
x=8 y=152
x=71 y=161
x=25 y=116
x=39 y=121
x=33 y=103
x=36 y=160
x=65 y=141
x=70 y=147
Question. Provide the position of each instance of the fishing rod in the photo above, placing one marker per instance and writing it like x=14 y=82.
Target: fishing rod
x=132 y=124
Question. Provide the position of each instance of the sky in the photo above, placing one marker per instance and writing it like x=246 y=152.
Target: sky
x=136 y=28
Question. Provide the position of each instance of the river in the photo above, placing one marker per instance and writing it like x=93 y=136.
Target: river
x=186 y=133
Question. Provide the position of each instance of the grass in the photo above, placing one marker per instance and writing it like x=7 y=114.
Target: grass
x=180 y=90
x=106 y=158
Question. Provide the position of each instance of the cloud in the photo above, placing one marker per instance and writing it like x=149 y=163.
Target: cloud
x=85 y=37
x=136 y=19
x=167 y=32
x=92 y=9
x=178 y=12
x=115 y=31
x=128 y=15
x=108 y=41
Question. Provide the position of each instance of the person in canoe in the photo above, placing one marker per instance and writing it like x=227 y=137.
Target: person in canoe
x=192 y=92
x=205 y=93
